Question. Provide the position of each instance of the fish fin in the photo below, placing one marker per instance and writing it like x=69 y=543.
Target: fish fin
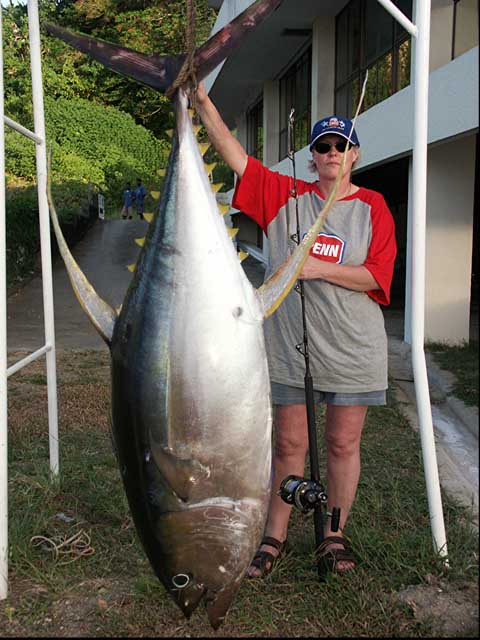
x=242 y=255
x=217 y=186
x=197 y=128
x=223 y=208
x=204 y=147
x=140 y=241
x=131 y=267
x=169 y=133
x=155 y=194
x=274 y=290
x=161 y=172
x=159 y=72
x=180 y=474
x=148 y=216
x=99 y=312
x=210 y=167
x=232 y=232
x=155 y=71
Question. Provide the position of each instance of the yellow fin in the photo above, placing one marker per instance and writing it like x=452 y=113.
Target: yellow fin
x=191 y=112
x=131 y=267
x=232 y=232
x=197 y=128
x=161 y=172
x=169 y=133
x=223 y=208
x=155 y=194
x=140 y=241
x=242 y=255
x=148 y=216
x=217 y=186
x=210 y=167
x=204 y=147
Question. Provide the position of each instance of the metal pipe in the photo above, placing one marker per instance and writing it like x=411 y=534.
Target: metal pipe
x=421 y=79
x=400 y=17
x=41 y=157
x=23 y=130
x=23 y=363
x=3 y=352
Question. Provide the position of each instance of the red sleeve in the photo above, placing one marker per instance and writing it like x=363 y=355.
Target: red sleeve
x=383 y=249
x=260 y=193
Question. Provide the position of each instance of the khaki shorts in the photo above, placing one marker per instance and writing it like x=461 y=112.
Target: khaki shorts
x=285 y=394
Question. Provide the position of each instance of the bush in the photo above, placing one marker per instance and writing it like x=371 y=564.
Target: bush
x=101 y=144
x=91 y=143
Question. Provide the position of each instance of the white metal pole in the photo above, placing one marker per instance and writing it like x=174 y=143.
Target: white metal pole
x=41 y=157
x=421 y=78
x=3 y=352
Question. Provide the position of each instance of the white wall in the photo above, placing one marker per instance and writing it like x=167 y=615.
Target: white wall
x=449 y=237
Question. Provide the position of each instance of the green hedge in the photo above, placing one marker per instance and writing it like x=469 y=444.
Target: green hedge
x=90 y=143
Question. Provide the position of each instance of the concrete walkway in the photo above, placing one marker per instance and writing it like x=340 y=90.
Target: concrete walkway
x=110 y=246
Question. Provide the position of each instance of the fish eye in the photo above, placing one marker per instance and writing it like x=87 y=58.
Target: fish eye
x=181 y=580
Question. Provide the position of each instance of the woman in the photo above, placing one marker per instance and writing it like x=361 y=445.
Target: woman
x=347 y=275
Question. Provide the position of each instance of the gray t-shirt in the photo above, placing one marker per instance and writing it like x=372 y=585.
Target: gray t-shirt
x=347 y=339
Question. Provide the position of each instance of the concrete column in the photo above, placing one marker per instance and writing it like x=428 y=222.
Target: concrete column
x=323 y=67
x=450 y=192
x=441 y=33
x=271 y=126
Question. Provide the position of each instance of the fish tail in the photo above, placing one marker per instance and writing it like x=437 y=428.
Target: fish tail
x=160 y=72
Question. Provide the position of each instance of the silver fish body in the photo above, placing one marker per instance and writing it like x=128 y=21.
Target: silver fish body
x=190 y=393
x=191 y=413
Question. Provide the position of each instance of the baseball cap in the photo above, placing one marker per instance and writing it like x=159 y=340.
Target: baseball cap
x=334 y=124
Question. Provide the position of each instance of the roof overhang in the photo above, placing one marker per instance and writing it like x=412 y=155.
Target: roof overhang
x=236 y=84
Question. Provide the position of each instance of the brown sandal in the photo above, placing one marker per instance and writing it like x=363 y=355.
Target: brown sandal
x=264 y=560
x=331 y=557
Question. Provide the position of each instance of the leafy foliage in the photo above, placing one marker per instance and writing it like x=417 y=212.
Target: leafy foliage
x=93 y=116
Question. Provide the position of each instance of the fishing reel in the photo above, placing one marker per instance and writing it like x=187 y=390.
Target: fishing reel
x=306 y=495
x=302 y=493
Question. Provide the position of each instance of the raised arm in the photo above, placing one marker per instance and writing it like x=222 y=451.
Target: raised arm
x=228 y=147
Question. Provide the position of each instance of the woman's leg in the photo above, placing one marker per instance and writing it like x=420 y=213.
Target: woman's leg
x=291 y=444
x=343 y=433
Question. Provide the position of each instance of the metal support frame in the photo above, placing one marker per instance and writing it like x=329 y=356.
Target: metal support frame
x=49 y=347
x=420 y=63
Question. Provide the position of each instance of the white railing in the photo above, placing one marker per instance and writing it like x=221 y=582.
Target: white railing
x=38 y=137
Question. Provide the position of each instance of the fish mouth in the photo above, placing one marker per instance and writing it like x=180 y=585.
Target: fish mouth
x=188 y=593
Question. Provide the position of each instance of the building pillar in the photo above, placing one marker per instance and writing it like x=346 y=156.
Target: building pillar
x=323 y=67
x=449 y=238
x=271 y=126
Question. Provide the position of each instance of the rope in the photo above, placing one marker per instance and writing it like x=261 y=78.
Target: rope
x=187 y=72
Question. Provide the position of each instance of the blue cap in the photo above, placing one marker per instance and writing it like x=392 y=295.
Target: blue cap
x=333 y=124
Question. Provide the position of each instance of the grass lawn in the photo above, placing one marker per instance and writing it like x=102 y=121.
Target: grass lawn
x=462 y=361
x=77 y=568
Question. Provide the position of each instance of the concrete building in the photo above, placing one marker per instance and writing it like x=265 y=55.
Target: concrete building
x=313 y=55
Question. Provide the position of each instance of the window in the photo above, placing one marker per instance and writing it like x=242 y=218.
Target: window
x=296 y=92
x=255 y=131
x=367 y=37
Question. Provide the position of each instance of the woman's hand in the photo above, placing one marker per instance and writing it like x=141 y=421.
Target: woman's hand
x=311 y=269
x=357 y=278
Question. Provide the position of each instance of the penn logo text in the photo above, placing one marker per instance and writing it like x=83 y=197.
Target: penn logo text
x=328 y=247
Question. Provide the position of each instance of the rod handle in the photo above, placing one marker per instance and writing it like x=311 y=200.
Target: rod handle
x=335 y=521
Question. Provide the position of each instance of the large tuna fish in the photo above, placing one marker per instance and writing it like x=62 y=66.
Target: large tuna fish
x=191 y=412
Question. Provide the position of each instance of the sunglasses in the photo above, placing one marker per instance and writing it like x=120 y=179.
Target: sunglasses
x=324 y=147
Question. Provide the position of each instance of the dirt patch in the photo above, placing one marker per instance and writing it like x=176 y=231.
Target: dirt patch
x=450 y=609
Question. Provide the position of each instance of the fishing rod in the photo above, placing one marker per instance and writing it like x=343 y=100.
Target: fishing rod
x=302 y=493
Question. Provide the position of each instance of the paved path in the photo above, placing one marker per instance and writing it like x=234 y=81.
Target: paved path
x=103 y=255
x=110 y=246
